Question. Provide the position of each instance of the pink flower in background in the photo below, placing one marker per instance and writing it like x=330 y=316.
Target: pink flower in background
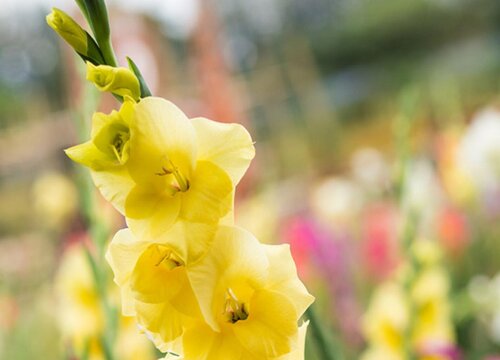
x=315 y=248
x=379 y=232
x=441 y=350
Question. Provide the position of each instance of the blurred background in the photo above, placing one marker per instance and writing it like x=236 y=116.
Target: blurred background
x=377 y=127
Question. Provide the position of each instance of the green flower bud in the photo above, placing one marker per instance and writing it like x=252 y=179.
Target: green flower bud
x=69 y=30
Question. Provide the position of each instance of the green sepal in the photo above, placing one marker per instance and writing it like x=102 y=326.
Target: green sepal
x=97 y=16
x=145 y=92
x=94 y=54
x=83 y=8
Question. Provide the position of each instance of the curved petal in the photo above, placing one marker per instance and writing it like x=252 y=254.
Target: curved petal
x=160 y=136
x=229 y=146
x=127 y=300
x=157 y=276
x=299 y=352
x=123 y=253
x=283 y=277
x=89 y=155
x=235 y=260
x=209 y=197
x=188 y=239
x=114 y=185
x=150 y=214
x=162 y=319
x=271 y=327
x=200 y=342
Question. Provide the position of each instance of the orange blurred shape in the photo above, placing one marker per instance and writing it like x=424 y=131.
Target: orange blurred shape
x=453 y=230
x=10 y=312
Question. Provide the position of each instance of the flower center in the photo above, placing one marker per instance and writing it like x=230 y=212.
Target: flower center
x=118 y=145
x=180 y=183
x=167 y=259
x=234 y=310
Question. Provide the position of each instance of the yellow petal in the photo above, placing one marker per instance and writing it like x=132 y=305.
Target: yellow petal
x=162 y=319
x=235 y=260
x=229 y=146
x=127 y=300
x=161 y=137
x=299 y=352
x=89 y=155
x=123 y=253
x=149 y=213
x=189 y=240
x=209 y=197
x=200 y=342
x=271 y=327
x=158 y=275
x=283 y=277
x=117 y=80
x=114 y=184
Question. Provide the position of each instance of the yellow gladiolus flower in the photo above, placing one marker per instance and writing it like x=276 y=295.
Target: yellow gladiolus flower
x=183 y=169
x=387 y=319
x=117 y=80
x=81 y=318
x=250 y=297
x=81 y=314
x=433 y=311
x=387 y=324
x=154 y=284
x=107 y=153
x=158 y=167
x=68 y=29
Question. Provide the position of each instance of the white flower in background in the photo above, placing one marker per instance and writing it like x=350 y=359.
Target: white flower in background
x=479 y=150
x=337 y=200
x=422 y=193
x=485 y=293
x=370 y=169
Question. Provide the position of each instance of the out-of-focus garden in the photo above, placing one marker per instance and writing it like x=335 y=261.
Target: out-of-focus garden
x=377 y=133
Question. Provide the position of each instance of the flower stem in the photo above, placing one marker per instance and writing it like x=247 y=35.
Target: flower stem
x=326 y=345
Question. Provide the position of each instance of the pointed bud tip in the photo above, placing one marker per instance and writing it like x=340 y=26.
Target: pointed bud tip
x=68 y=29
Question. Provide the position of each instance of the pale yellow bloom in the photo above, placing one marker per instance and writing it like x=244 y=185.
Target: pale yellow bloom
x=387 y=322
x=183 y=169
x=117 y=80
x=79 y=312
x=250 y=297
x=433 y=312
x=55 y=199
x=154 y=284
x=387 y=318
x=68 y=29
x=107 y=153
x=426 y=252
x=81 y=316
x=159 y=168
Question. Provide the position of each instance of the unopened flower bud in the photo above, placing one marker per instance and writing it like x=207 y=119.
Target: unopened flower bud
x=68 y=29
x=117 y=80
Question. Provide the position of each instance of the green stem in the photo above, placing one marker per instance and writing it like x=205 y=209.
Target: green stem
x=98 y=231
x=108 y=53
x=325 y=343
